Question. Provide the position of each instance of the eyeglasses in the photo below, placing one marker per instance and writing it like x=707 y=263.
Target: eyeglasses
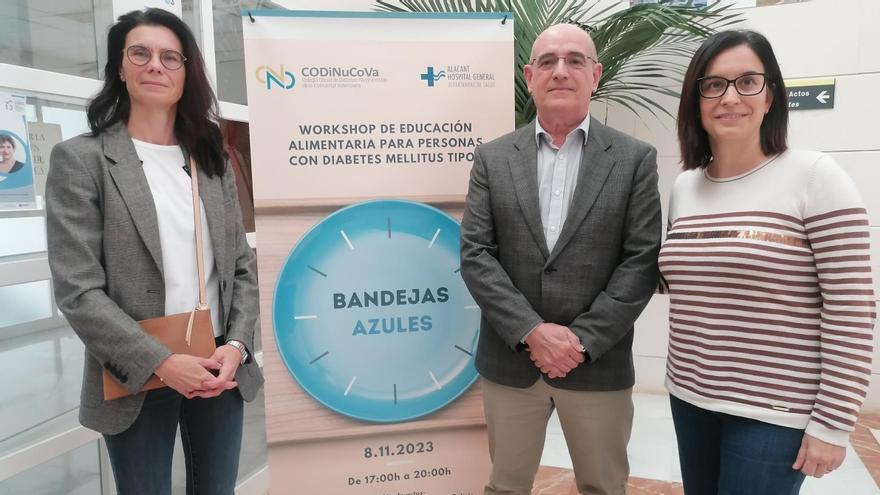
x=576 y=61
x=141 y=55
x=745 y=85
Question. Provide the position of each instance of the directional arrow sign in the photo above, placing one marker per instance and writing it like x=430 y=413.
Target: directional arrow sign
x=810 y=94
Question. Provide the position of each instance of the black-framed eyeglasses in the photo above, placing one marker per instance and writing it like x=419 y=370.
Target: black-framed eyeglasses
x=574 y=60
x=140 y=55
x=745 y=85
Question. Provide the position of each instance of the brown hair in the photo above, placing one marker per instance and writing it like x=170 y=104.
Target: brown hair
x=692 y=137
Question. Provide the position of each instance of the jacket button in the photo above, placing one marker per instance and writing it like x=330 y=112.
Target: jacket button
x=549 y=270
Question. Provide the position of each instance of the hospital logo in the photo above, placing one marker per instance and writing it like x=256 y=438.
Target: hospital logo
x=431 y=78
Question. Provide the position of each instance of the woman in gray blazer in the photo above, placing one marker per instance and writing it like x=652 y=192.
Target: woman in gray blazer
x=122 y=249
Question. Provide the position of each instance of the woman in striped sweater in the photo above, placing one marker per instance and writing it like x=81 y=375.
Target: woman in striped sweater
x=767 y=266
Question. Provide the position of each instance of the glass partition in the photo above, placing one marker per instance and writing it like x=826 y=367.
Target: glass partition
x=64 y=36
x=229 y=47
x=77 y=472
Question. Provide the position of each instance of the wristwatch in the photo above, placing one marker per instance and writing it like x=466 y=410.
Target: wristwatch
x=241 y=348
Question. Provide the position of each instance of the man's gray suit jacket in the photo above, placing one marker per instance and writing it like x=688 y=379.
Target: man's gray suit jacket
x=106 y=263
x=599 y=276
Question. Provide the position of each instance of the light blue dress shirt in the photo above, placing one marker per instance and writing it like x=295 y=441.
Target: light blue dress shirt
x=557 y=179
x=557 y=176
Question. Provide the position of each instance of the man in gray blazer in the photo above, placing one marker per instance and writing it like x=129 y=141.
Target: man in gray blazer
x=559 y=248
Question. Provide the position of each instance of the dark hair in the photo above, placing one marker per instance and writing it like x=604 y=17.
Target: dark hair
x=194 y=126
x=5 y=138
x=692 y=137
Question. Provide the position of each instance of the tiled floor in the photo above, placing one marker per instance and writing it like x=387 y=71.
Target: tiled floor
x=653 y=458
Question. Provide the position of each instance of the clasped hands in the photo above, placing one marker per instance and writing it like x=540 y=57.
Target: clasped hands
x=192 y=376
x=555 y=349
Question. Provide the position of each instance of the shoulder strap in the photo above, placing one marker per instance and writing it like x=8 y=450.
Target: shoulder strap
x=197 y=222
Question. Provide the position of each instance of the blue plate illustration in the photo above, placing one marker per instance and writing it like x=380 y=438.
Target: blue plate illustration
x=371 y=316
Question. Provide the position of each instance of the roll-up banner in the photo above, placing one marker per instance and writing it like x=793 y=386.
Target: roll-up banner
x=16 y=159
x=363 y=127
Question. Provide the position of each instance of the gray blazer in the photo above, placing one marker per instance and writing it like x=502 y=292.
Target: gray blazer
x=599 y=276
x=106 y=264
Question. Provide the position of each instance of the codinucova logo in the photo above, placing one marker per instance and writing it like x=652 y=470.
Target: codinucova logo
x=340 y=72
x=278 y=78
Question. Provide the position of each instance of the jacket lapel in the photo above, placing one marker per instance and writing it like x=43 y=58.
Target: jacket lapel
x=596 y=164
x=524 y=170
x=128 y=175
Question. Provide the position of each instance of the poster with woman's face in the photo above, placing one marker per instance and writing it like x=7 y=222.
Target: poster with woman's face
x=16 y=161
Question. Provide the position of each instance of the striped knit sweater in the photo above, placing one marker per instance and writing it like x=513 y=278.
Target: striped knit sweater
x=771 y=300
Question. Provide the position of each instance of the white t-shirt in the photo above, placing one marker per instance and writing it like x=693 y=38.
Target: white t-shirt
x=171 y=188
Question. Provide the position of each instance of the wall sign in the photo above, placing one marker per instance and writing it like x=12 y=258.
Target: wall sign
x=810 y=94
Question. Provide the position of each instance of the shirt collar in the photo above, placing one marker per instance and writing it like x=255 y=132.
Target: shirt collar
x=539 y=131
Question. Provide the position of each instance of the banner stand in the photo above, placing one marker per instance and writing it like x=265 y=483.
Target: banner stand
x=363 y=127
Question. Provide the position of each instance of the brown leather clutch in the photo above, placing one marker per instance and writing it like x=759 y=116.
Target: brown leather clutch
x=171 y=331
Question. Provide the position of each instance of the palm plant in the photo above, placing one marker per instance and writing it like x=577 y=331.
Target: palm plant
x=643 y=49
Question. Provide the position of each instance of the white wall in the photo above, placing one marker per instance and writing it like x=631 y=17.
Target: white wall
x=821 y=38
